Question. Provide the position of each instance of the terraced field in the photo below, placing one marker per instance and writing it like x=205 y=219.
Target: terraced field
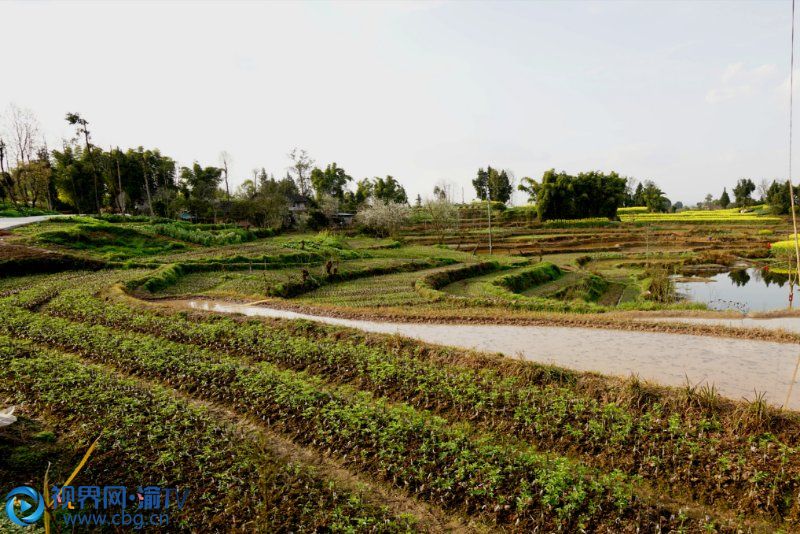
x=278 y=425
x=494 y=442
x=387 y=290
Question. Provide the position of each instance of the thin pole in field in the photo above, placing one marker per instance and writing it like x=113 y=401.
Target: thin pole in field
x=791 y=199
x=489 y=210
x=791 y=186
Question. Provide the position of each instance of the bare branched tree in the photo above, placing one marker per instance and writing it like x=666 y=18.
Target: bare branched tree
x=763 y=190
x=301 y=170
x=226 y=159
x=442 y=214
x=24 y=129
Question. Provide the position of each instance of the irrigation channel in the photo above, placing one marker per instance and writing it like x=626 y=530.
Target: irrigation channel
x=737 y=368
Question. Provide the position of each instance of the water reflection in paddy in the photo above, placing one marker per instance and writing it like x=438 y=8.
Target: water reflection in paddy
x=745 y=290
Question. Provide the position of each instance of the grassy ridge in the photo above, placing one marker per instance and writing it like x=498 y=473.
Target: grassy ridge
x=112 y=242
x=429 y=286
x=527 y=278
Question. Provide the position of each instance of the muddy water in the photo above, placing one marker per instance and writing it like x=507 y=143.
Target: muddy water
x=736 y=367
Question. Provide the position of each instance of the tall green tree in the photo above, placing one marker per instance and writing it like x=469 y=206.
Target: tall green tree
x=32 y=183
x=74 y=178
x=200 y=186
x=531 y=187
x=778 y=197
x=389 y=190
x=724 y=199
x=493 y=184
x=638 y=195
x=354 y=200
x=744 y=188
x=590 y=194
x=264 y=201
x=630 y=188
x=82 y=129
x=654 y=198
x=330 y=182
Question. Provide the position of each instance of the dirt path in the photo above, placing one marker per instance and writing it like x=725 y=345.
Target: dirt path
x=737 y=367
x=7 y=223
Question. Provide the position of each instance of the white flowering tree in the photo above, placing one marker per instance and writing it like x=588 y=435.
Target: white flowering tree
x=384 y=219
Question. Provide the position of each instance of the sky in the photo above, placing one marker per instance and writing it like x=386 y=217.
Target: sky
x=691 y=95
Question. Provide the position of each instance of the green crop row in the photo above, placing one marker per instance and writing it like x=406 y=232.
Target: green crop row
x=284 y=259
x=208 y=236
x=650 y=440
x=326 y=244
x=150 y=437
x=296 y=287
x=44 y=289
x=414 y=450
x=168 y=274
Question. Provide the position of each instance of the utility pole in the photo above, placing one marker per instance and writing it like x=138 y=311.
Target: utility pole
x=489 y=211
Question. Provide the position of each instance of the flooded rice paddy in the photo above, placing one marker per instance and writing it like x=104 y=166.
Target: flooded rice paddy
x=736 y=367
x=745 y=290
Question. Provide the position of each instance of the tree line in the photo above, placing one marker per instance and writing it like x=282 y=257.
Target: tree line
x=775 y=193
x=559 y=195
x=82 y=177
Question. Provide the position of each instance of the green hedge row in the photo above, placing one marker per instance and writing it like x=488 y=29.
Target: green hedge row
x=429 y=286
x=522 y=280
x=294 y=288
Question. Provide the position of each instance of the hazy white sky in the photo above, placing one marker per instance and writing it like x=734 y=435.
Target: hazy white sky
x=693 y=95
